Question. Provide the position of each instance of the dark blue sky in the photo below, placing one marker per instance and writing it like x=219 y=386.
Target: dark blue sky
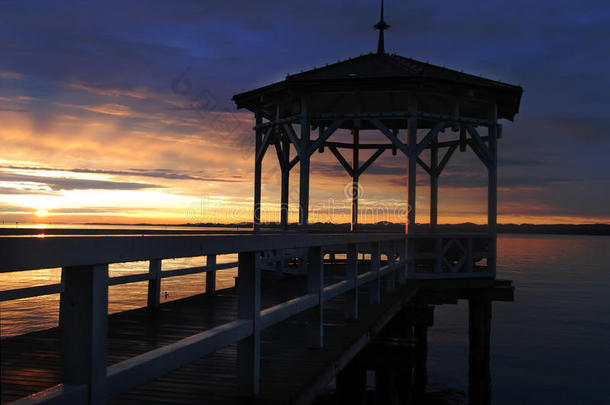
x=118 y=58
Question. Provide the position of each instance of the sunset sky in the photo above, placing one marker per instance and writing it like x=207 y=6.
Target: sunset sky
x=96 y=124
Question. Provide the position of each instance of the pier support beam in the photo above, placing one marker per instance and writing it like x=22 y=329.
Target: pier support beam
x=249 y=307
x=84 y=328
x=479 y=375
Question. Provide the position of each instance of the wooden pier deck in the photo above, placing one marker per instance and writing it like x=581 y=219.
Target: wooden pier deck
x=291 y=372
x=267 y=340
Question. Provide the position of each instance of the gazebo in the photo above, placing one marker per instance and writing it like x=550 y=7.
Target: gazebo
x=386 y=93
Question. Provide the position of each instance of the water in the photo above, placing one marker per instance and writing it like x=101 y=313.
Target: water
x=550 y=346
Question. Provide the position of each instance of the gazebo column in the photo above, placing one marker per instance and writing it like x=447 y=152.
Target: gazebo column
x=257 y=172
x=434 y=184
x=492 y=190
x=285 y=184
x=355 y=175
x=412 y=167
x=304 y=157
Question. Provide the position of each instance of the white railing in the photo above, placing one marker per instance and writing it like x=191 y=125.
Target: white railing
x=84 y=262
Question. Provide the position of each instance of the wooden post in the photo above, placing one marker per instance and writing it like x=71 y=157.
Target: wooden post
x=285 y=183
x=355 y=175
x=315 y=285
x=84 y=320
x=412 y=167
x=154 y=283
x=258 y=166
x=210 y=275
x=375 y=286
x=351 y=297
x=492 y=194
x=248 y=350
x=304 y=169
x=479 y=375
x=434 y=185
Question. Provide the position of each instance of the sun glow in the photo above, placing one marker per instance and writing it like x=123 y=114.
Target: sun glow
x=42 y=213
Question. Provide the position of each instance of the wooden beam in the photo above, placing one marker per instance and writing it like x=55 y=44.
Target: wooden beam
x=289 y=131
x=433 y=184
x=432 y=134
x=280 y=155
x=249 y=309
x=257 y=174
x=341 y=160
x=370 y=160
x=412 y=165
x=285 y=190
x=324 y=136
x=478 y=141
x=492 y=193
x=294 y=161
x=304 y=169
x=355 y=176
x=445 y=159
x=424 y=166
x=84 y=331
x=480 y=154
x=260 y=152
x=390 y=135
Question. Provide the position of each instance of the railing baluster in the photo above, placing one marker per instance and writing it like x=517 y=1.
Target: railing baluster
x=84 y=320
x=351 y=275
x=315 y=285
x=210 y=275
x=154 y=284
x=249 y=308
x=375 y=286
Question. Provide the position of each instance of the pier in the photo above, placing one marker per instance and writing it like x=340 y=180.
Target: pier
x=270 y=339
x=352 y=302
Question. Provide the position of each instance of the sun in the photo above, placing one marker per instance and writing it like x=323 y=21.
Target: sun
x=41 y=213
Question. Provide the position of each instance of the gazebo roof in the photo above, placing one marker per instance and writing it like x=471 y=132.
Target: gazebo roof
x=386 y=73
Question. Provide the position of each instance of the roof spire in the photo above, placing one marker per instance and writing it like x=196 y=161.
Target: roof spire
x=381 y=26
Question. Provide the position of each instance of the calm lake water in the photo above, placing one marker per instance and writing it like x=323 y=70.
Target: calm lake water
x=550 y=346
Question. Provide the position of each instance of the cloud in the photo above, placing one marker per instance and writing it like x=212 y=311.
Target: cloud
x=4 y=74
x=155 y=173
x=55 y=183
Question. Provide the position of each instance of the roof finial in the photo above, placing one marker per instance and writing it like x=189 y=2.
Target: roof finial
x=381 y=26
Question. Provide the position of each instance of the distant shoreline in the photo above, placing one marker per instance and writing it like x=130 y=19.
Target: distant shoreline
x=115 y=228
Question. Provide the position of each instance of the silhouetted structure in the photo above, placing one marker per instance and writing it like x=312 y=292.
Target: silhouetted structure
x=369 y=311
